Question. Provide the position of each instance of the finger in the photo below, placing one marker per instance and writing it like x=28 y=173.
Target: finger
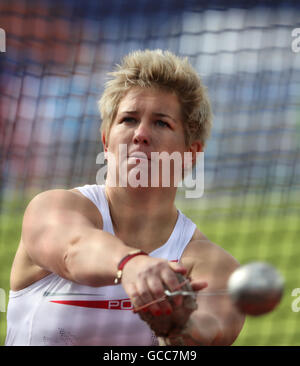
x=157 y=290
x=150 y=290
x=134 y=296
x=171 y=281
x=178 y=267
x=198 y=285
x=145 y=297
x=145 y=307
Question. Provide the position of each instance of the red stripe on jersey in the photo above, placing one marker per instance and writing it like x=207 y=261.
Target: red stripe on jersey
x=122 y=304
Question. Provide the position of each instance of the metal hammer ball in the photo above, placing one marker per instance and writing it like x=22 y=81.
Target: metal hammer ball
x=255 y=288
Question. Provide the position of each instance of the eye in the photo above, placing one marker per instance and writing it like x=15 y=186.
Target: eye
x=162 y=123
x=128 y=119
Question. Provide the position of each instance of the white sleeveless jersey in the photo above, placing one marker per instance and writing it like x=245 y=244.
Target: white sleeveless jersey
x=54 y=311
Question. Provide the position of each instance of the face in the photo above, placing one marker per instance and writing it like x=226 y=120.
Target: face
x=148 y=122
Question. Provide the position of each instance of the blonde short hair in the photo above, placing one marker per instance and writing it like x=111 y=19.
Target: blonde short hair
x=166 y=71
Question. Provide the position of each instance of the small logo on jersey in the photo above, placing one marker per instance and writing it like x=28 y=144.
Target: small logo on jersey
x=122 y=304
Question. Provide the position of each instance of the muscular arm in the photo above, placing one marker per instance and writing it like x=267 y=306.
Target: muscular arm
x=62 y=233
x=216 y=321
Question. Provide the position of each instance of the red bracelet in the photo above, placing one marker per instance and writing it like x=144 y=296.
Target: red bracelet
x=124 y=260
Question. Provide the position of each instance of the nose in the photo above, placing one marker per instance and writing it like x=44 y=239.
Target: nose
x=142 y=134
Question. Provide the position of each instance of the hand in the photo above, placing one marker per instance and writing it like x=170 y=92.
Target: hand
x=145 y=279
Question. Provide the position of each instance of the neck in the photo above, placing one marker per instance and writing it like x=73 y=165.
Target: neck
x=142 y=218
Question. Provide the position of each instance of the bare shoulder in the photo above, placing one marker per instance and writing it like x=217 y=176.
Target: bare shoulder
x=48 y=207
x=61 y=201
x=208 y=260
x=198 y=235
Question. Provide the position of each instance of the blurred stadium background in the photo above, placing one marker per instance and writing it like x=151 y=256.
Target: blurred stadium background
x=53 y=72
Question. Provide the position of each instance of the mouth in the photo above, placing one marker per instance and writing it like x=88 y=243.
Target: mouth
x=140 y=156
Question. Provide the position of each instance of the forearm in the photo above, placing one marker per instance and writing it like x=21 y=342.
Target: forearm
x=202 y=329
x=89 y=256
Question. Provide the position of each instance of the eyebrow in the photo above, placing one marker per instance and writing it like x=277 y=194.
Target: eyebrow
x=158 y=114
x=130 y=112
x=164 y=115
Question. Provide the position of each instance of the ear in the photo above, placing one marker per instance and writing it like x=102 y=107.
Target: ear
x=103 y=138
x=195 y=147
